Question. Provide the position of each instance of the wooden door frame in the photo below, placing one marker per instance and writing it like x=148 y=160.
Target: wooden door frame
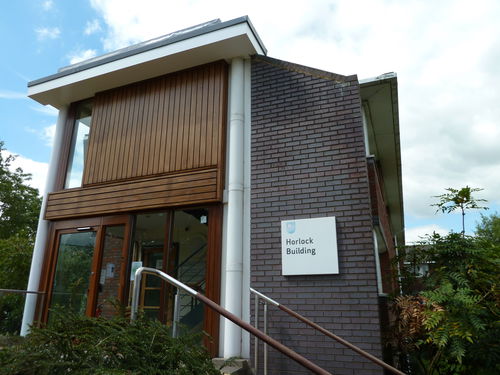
x=213 y=268
x=57 y=228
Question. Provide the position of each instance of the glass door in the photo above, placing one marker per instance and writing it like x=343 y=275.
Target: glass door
x=175 y=242
x=110 y=268
x=70 y=288
x=86 y=266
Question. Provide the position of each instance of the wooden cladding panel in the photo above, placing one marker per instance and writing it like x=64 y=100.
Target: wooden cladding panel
x=168 y=124
x=148 y=193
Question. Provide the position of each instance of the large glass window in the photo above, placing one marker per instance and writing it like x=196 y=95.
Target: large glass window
x=72 y=273
x=79 y=145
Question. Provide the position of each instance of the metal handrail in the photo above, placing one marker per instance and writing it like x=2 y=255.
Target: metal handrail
x=325 y=332
x=246 y=326
x=19 y=291
x=40 y=296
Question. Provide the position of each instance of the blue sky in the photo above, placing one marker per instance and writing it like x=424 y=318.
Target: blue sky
x=37 y=38
x=446 y=55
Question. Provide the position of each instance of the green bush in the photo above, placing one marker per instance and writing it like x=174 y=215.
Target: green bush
x=15 y=259
x=80 y=345
x=448 y=320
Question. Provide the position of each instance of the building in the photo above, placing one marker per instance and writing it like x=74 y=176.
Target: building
x=188 y=153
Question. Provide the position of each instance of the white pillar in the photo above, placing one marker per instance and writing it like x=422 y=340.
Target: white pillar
x=42 y=232
x=234 y=234
x=245 y=292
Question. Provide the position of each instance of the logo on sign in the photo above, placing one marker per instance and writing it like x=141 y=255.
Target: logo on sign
x=290 y=227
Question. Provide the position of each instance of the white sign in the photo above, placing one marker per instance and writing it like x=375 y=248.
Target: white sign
x=309 y=247
x=110 y=270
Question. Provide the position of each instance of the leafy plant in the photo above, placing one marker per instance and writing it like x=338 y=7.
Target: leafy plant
x=459 y=199
x=73 y=344
x=448 y=317
x=15 y=258
x=19 y=203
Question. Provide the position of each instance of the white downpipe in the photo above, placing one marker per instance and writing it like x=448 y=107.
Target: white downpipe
x=365 y=131
x=380 y=288
x=42 y=232
x=245 y=292
x=234 y=256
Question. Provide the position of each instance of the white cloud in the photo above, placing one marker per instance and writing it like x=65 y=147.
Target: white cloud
x=6 y=94
x=413 y=235
x=445 y=53
x=44 y=33
x=92 y=27
x=79 y=56
x=46 y=110
x=38 y=170
x=47 y=4
x=48 y=134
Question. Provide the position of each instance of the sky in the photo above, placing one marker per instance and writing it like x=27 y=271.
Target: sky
x=446 y=54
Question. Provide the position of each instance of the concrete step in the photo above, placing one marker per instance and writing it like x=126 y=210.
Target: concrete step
x=233 y=366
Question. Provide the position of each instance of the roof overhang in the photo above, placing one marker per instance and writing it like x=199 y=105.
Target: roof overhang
x=180 y=50
x=380 y=103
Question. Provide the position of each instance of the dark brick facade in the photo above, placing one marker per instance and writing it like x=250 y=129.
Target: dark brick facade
x=308 y=160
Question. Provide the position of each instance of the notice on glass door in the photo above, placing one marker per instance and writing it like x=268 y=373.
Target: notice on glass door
x=309 y=247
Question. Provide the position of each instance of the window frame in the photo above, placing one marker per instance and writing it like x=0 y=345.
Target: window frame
x=67 y=140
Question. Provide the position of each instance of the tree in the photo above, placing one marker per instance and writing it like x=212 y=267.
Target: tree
x=19 y=209
x=489 y=228
x=15 y=258
x=19 y=203
x=447 y=320
x=461 y=199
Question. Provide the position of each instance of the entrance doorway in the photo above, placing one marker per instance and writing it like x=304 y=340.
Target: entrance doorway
x=85 y=272
x=90 y=263
x=179 y=243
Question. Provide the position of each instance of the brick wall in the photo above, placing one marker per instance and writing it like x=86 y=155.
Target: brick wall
x=308 y=160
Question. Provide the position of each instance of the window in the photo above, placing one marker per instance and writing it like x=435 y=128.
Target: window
x=79 y=145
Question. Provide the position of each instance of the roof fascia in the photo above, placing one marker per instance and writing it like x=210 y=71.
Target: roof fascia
x=219 y=41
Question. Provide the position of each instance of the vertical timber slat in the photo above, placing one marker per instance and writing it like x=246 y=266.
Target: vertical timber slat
x=164 y=125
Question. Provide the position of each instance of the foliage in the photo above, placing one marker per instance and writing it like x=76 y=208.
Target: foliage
x=19 y=209
x=15 y=258
x=73 y=344
x=72 y=271
x=19 y=203
x=461 y=199
x=489 y=228
x=448 y=319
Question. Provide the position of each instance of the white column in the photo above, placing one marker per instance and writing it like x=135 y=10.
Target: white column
x=42 y=232
x=234 y=234
x=245 y=292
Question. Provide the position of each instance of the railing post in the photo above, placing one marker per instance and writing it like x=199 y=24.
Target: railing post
x=256 y=339
x=175 y=324
x=265 y=332
x=135 y=294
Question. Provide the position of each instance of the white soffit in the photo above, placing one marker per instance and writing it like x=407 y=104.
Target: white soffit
x=238 y=39
x=380 y=100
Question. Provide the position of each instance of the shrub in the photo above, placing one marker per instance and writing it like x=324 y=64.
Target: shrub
x=447 y=321
x=72 y=344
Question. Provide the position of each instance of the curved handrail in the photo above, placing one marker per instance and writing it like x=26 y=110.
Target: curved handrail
x=246 y=326
x=327 y=333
